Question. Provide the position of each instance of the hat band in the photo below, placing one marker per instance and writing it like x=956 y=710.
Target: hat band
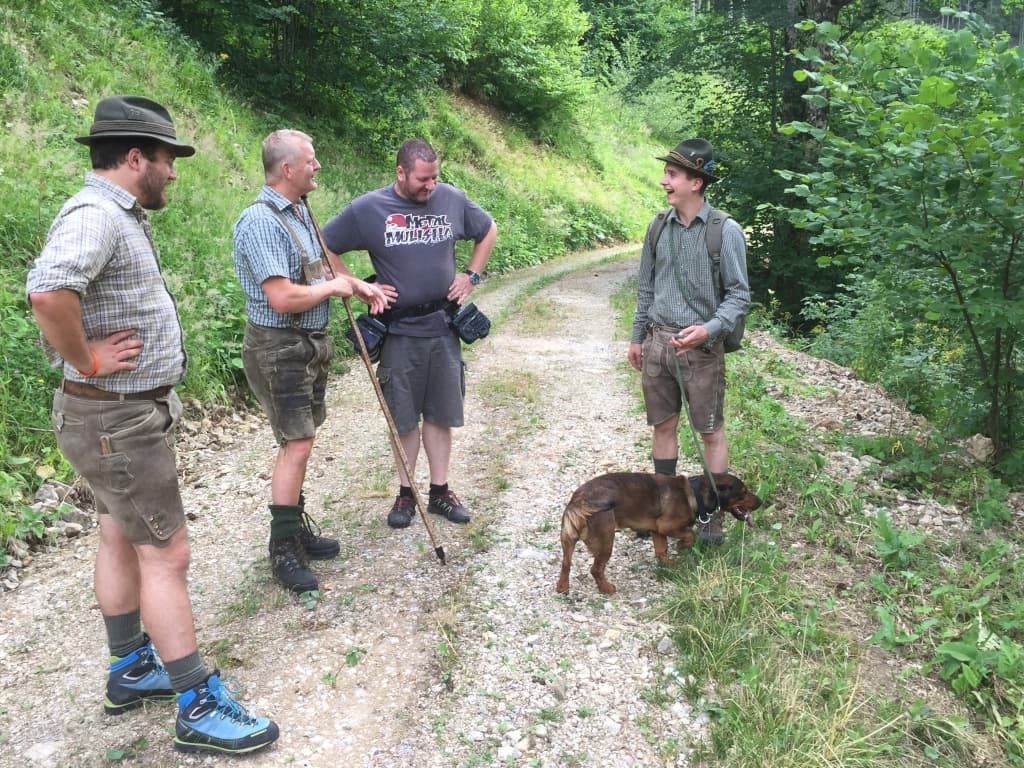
x=699 y=165
x=135 y=126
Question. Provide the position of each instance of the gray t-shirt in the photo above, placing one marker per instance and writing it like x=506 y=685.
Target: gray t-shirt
x=411 y=245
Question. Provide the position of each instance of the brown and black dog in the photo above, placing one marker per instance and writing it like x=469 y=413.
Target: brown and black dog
x=666 y=505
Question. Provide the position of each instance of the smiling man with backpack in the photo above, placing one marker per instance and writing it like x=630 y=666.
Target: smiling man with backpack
x=692 y=298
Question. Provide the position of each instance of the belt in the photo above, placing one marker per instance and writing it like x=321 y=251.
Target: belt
x=78 y=389
x=315 y=332
x=416 y=310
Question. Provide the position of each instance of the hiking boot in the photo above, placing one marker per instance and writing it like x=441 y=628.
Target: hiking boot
x=448 y=504
x=402 y=512
x=711 y=531
x=317 y=547
x=210 y=720
x=290 y=567
x=134 y=678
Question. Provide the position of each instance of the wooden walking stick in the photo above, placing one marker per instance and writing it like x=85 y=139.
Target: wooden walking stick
x=396 y=442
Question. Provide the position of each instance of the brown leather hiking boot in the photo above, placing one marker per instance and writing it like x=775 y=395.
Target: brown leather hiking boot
x=317 y=547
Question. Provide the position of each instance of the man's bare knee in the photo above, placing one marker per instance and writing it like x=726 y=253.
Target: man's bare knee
x=172 y=558
x=298 y=451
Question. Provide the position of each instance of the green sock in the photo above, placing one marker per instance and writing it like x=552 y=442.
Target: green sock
x=284 y=521
x=665 y=466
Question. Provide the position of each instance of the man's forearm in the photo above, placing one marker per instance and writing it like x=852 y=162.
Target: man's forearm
x=59 y=315
x=482 y=251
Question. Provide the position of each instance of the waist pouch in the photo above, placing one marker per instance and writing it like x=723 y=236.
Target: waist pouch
x=470 y=323
x=467 y=321
x=373 y=332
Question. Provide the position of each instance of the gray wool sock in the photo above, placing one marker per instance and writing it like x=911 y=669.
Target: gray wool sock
x=124 y=632
x=186 y=672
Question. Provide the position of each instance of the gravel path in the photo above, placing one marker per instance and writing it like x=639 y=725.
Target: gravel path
x=405 y=662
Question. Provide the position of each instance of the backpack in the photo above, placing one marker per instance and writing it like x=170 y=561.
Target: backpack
x=713 y=241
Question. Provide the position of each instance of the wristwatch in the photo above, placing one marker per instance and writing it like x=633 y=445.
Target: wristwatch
x=474 y=277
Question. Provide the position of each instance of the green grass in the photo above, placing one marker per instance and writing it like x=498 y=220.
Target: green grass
x=830 y=636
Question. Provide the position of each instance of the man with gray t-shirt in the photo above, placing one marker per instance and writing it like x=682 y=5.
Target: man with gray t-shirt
x=409 y=229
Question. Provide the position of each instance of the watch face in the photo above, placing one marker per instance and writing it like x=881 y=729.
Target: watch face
x=474 y=278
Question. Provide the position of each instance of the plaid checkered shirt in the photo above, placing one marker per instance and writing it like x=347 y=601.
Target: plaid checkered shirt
x=101 y=247
x=658 y=296
x=264 y=248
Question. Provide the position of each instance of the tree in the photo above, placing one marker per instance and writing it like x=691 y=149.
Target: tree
x=367 y=65
x=923 y=177
x=723 y=69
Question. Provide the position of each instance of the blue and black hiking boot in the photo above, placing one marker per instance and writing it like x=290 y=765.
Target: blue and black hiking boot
x=134 y=678
x=210 y=720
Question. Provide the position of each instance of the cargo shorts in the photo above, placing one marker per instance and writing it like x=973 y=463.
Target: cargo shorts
x=702 y=373
x=423 y=377
x=125 y=451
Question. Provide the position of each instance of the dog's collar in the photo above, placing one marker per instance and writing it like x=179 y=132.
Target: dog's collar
x=704 y=510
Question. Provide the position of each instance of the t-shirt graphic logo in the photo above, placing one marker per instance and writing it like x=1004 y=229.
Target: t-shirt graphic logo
x=413 y=229
x=394 y=223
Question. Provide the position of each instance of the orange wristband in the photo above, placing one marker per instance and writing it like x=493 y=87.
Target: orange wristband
x=95 y=365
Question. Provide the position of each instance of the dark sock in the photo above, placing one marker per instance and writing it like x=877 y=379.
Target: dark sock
x=665 y=466
x=124 y=633
x=405 y=491
x=284 y=521
x=186 y=672
x=438 y=490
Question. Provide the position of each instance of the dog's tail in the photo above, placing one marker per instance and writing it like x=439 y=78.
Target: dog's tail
x=574 y=520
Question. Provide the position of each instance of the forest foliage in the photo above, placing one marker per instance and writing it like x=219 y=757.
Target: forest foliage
x=874 y=160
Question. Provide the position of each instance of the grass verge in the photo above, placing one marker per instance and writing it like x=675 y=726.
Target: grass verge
x=828 y=635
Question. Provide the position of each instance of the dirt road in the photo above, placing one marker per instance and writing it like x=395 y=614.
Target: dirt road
x=403 y=661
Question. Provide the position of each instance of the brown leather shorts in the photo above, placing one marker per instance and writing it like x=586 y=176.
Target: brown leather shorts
x=287 y=372
x=125 y=451
x=698 y=373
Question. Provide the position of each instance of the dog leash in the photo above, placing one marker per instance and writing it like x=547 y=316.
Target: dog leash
x=746 y=518
x=396 y=441
x=698 y=447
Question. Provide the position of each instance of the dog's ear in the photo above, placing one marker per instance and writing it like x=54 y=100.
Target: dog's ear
x=704 y=491
x=728 y=486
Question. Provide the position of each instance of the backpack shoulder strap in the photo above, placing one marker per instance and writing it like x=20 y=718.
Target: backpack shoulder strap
x=713 y=241
x=656 y=228
x=713 y=233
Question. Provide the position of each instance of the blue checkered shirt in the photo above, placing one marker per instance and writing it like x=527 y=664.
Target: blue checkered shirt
x=101 y=246
x=658 y=297
x=264 y=248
